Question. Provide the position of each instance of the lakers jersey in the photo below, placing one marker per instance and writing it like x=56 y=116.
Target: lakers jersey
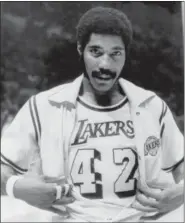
x=102 y=155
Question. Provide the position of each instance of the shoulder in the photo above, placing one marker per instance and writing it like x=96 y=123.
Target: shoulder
x=42 y=98
x=148 y=99
x=50 y=92
x=155 y=105
x=156 y=102
x=143 y=97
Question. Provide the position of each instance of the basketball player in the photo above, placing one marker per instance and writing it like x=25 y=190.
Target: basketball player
x=94 y=149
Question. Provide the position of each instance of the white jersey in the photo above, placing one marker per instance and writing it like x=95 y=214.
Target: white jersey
x=103 y=157
x=41 y=132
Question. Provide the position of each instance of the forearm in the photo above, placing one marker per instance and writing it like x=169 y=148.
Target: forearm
x=6 y=173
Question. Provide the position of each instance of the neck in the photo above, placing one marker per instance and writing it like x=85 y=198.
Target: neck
x=112 y=97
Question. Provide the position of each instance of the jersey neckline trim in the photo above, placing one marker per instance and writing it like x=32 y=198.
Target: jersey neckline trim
x=101 y=108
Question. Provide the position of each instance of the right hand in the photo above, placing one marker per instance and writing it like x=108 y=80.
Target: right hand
x=38 y=193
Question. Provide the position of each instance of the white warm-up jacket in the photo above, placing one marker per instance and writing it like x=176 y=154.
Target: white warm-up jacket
x=39 y=136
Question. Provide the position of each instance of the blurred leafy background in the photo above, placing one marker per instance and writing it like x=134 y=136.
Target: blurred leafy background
x=38 y=49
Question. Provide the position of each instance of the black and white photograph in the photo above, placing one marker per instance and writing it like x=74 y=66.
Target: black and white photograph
x=92 y=111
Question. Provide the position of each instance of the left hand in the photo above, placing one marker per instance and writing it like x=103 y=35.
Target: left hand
x=164 y=201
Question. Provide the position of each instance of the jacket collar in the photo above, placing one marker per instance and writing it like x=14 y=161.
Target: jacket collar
x=69 y=92
x=137 y=96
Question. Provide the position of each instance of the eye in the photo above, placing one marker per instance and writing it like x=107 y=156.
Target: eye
x=116 y=53
x=96 y=52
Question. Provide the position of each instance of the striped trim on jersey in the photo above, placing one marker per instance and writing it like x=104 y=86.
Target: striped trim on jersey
x=172 y=168
x=101 y=108
x=163 y=113
x=8 y=162
x=37 y=128
x=35 y=117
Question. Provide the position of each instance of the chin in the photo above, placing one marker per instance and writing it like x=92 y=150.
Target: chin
x=103 y=90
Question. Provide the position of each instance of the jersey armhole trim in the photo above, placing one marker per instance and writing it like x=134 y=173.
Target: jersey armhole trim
x=12 y=164
x=162 y=130
x=37 y=114
x=35 y=117
x=163 y=113
x=169 y=169
x=6 y=164
x=33 y=120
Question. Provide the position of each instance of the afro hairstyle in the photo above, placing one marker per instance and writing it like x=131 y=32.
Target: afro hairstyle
x=104 y=20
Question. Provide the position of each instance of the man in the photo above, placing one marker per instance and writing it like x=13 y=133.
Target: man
x=95 y=148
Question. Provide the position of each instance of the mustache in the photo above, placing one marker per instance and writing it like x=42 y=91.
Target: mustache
x=104 y=71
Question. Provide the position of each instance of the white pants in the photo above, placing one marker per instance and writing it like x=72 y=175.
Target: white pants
x=13 y=210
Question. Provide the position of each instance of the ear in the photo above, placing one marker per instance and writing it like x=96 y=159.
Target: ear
x=79 y=48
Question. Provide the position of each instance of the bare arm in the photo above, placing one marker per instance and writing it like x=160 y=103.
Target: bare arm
x=178 y=173
x=6 y=172
x=33 y=190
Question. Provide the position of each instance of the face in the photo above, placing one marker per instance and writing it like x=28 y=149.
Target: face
x=104 y=58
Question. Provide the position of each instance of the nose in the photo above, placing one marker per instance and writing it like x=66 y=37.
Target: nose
x=104 y=62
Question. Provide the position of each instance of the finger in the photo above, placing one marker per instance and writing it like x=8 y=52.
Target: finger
x=55 y=210
x=151 y=184
x=60 y=180
x=56 y=180
x=146 y=201
x=143 y=208
x=151 y=193
x=153 y=217
x=63 y=191
x=64 y=201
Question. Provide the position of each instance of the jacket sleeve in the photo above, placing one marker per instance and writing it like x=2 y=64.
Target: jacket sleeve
x=171 y=138
x=20 y=140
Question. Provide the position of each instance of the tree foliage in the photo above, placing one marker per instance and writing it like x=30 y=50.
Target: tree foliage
x=38 y=48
